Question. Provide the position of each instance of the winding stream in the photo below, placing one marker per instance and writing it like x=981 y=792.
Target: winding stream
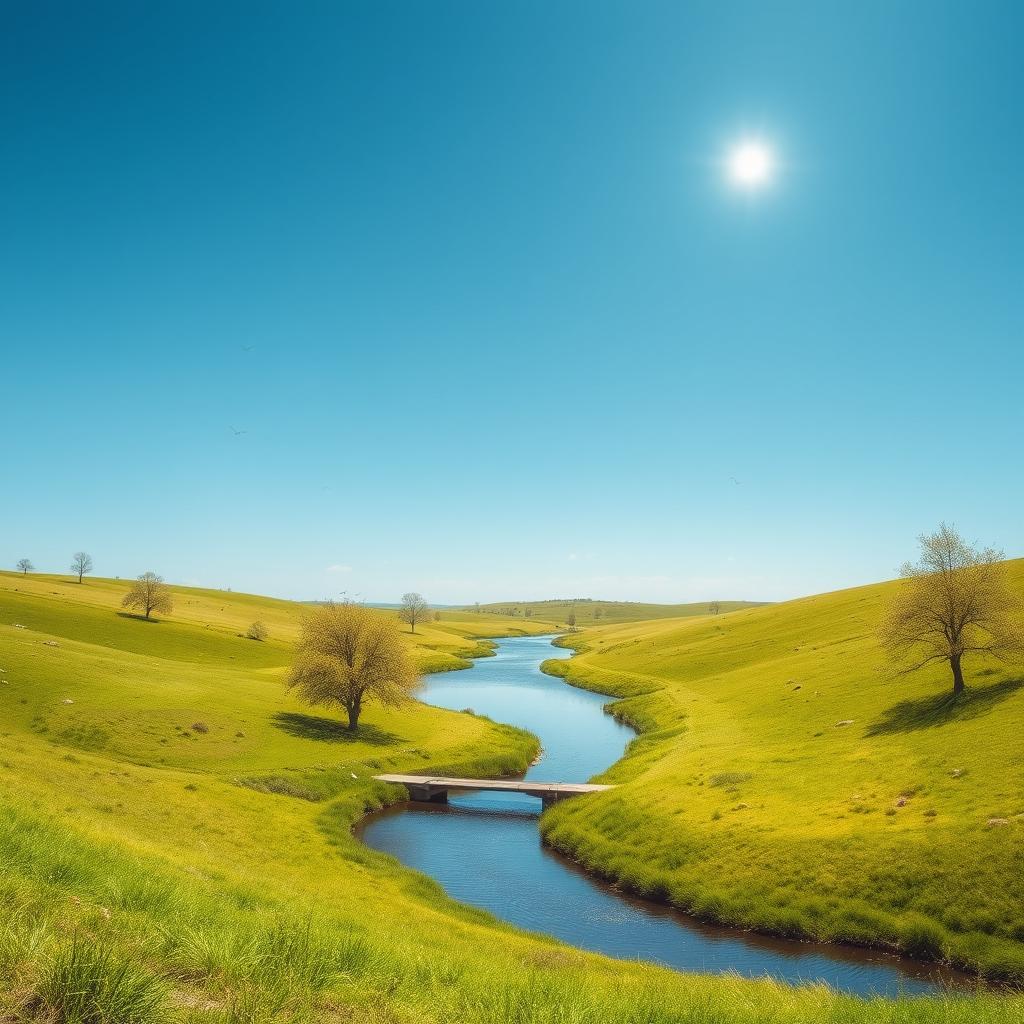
x=485 y=848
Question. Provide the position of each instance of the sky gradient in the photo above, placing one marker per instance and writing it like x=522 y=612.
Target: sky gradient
x=321 y=297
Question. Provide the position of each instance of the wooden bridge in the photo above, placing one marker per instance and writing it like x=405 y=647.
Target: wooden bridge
x=434 y=789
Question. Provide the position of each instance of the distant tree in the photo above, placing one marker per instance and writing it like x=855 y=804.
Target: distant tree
x=570 y=619
x=956 y=601
x=528 y=612
x=414 y=609
x=257 y=631
x=348 y=654
x=150 y=594
x=714 y=608
x=598 y=612
x=437 y=616
x=81 y=564
x=25 y=567
x=476 y=607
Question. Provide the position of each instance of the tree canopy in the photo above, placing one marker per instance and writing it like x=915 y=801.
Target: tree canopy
x=955 y=601
x=348 y=654
x=414 y=609
x=149 y=594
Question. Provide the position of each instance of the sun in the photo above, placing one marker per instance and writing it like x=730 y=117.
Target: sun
x=751 y=164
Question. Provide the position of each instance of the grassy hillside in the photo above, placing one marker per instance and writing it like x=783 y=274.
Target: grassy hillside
x=789 y=781
x=592 y=612
x=175 y=845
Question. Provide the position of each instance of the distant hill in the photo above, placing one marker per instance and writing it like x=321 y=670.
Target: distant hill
x=592 y=611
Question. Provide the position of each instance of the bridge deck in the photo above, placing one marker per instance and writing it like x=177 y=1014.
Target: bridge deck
x=531 y=788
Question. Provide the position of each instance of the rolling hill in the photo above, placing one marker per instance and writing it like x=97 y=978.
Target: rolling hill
x=592 y=612
x=788 y=780
x=175 y=843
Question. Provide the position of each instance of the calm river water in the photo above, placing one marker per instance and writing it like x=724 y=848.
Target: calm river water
x=485 y=849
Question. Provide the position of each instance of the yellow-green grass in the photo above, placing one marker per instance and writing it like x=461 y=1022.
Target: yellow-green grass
x=140 y=882
x=593 y=612
x=788 y=780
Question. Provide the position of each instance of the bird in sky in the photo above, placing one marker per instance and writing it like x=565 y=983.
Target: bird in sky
x=238 y=433
x=734 y=480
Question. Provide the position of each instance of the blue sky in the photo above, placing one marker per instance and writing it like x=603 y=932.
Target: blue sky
x=470 y=280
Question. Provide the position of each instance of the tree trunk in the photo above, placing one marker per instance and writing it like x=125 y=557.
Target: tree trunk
x=958 y=675
x=148 y=610
x=353 y=708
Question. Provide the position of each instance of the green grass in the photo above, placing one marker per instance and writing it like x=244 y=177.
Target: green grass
x=593 y=612
x=152 y=871
x=787 y=780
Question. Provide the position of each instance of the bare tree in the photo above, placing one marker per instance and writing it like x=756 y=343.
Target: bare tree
x=81 y=564
x=346 y=655
x=151 y=594
x=956 y=601
x=414 y=609
x=598 y=612
x=714 y=608
x=25 y=567
x=570 y=619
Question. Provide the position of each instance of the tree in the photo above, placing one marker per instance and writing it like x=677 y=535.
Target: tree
x=81 y=564
x=570 y=619
x=346 y=655
x=956 y=601
x=598 y=612
x=257 y=631
x=528 y=612
x=714 y=608
x=25 y=567
x=151 y=594
x=414 y=609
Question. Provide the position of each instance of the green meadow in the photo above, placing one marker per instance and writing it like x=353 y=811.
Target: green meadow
x=787 y=779
x=593 y=612
x=175 y=829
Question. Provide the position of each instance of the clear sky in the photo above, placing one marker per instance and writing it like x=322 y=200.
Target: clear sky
x=472 y=281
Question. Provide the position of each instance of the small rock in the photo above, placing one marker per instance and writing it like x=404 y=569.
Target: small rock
x=998 y=822
x=353 y=774
x=797 y=687
x=741 y=807
x=67 y=700
x=957 y=772
x=845 y=721
x=50 y=643
x=901 y=802
x=17 y=625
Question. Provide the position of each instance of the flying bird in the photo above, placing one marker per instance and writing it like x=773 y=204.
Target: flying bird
x=247 y=348
x=237 y=433
x=734 y=480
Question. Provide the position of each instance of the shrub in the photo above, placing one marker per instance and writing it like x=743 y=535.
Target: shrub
x=85 y=984
x=257 y=631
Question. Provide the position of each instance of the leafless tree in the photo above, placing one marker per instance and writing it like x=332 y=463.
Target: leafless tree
x=570 y=620
x=598 y=612
x=81 y=564
x=414 y=609
x=348 y=654
x=25 y=567
x=955 y=601
x=150 y=594
x=714 y=608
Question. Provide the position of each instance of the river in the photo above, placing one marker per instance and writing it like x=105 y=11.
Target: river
x=485 y=849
